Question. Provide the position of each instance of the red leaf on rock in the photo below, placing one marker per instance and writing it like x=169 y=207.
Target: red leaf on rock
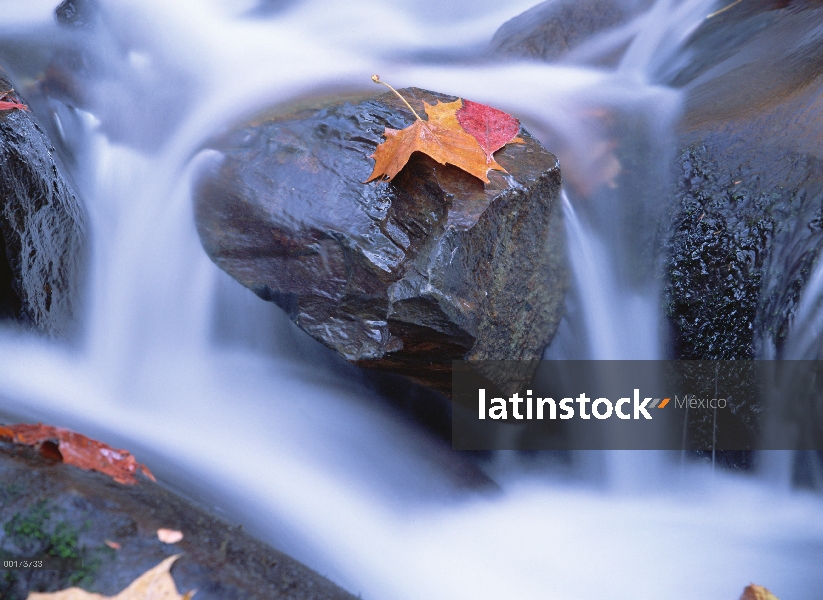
x=78 y=450
x=492 y=128
x=9 y=105
x=6 y=105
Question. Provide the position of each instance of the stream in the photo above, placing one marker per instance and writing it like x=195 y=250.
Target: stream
x=231 y=405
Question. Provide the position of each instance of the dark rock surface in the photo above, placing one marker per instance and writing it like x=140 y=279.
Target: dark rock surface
x=404 y=276
x=743 y=247
x=550 y=29
x=748 y=57
x=748 y=220
x=41 y=228
x=77 y=13
x=52 y=509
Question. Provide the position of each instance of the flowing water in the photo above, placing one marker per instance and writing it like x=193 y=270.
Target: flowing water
x=228 y=403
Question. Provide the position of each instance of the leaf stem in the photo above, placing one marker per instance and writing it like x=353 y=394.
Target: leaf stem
x=376 y=79
x=724 y=9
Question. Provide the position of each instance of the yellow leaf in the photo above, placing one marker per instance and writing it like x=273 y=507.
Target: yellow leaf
x=757 y=592
x=441 y=137
x=154 y=584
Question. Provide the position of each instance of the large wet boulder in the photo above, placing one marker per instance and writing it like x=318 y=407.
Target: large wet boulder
x=41 y=228
x=748 y=217
x=406 y=275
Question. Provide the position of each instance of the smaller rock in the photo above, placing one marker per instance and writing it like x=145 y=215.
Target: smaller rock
x=77 y=13
x=551 y=29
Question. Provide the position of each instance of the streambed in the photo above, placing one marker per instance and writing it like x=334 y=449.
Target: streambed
x=229 y=403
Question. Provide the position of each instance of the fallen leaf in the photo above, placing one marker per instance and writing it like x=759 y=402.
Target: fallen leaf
x=112 y=545
x=441 y=138
x=757 y=592
x=6 y=105
x=492 y=128
x=169 y=536
x=154 y=584
x=75 y=449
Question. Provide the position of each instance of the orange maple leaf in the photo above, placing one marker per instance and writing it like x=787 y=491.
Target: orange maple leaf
x=441 y=137
x=76 y=449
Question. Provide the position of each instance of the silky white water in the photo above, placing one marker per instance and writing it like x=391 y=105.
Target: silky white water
x=227 y=402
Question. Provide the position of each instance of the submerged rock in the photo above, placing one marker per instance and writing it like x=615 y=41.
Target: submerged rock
x=41 y=228
x=404 y=276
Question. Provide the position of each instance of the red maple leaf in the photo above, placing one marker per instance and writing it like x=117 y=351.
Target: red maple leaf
x=492 y=128
x=6 y=105
x=76 y=449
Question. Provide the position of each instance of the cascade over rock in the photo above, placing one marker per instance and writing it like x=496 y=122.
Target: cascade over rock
x=406 y=275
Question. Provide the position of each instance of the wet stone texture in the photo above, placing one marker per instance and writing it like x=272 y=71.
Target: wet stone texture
x=50 y=509
x=404 y=275
x=748 y=219
x=728 y=292
x=41 y=228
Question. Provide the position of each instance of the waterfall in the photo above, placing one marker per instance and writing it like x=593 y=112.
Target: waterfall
x=228 y=402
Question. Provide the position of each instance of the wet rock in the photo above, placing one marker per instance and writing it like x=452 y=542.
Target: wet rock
x=743 y=247
x=403 y=276
x=551 y=29
x=41 y=228
x=748 y=220
x=77 y=13
x=746 y=59
x=52 y=509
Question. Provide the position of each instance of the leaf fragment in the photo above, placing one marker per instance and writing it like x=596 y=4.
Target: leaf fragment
x=8 y=105
x=169 y=536
x=76 y=449
x=757 y=592
x=492 y=128
x=155 y=584
x=441 y=137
